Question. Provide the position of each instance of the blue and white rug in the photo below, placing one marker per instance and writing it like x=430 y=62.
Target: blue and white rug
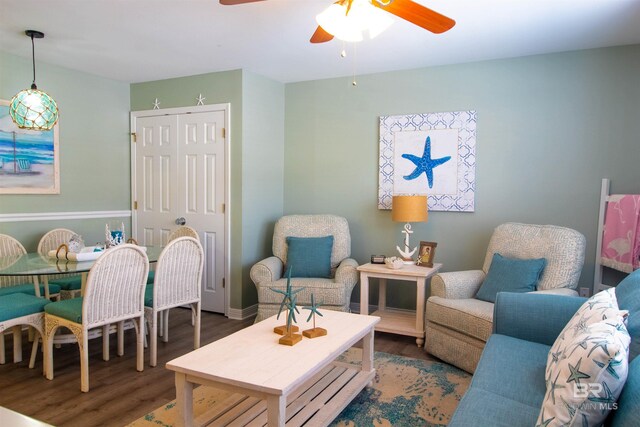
x=406 y=392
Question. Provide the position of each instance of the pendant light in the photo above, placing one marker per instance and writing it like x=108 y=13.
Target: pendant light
x=32 y=108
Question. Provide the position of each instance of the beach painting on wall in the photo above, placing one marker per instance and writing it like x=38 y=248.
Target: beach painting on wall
x=28 y=158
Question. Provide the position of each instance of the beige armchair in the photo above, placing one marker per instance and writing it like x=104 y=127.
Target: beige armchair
x=458 y=325
x=334 y=292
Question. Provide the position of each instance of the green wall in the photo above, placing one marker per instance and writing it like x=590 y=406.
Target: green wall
x=257 y=141
x=263 y=171
x=550 y=127
x=94 y=150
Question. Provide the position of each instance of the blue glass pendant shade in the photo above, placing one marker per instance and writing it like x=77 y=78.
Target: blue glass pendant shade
x=33 y=109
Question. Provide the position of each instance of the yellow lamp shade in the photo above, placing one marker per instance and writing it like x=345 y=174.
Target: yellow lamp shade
x=409 y=209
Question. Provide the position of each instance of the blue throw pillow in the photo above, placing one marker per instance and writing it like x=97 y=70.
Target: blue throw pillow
x=309 y=256
x=510 y=275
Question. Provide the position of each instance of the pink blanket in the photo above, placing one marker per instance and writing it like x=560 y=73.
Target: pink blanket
x=621 y=237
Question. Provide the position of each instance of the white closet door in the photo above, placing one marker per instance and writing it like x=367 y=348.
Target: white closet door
x=180 y=178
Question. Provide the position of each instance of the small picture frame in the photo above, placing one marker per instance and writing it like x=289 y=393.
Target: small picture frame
x=426 y=253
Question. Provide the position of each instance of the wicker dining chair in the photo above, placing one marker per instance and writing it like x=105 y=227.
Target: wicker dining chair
x=114 y=293
x=70 y=284
x=18 y=310
x=177 y=283
x=10 y=250
x=183 y=231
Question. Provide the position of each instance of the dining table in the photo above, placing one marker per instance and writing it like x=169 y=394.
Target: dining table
x=40 y=267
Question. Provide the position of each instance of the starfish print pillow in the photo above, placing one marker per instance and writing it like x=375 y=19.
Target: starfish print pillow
x=586 y=376
x=601 y=306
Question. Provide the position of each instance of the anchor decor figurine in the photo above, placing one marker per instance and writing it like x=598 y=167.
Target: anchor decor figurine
x=407 y=252
x=289 y=337
x=114 y=237
x=313 y=310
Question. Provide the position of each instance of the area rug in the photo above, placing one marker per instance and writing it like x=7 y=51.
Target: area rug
x=406 y=392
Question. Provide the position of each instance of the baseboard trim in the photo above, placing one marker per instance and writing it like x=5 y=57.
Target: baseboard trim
x=60 y=216
x=243 y=313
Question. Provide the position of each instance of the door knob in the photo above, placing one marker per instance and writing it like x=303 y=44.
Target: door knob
x=181 y=221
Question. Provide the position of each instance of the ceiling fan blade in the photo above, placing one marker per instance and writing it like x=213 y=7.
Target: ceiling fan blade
x=234 y=2
x=320 y=36
x=417 y=14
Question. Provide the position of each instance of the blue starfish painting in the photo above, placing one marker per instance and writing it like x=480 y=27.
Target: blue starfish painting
x=424 y=164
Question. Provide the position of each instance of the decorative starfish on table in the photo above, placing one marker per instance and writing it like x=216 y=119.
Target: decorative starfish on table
x=291 y=315
x=313 y=310
x=288 y=294
x=425 y=163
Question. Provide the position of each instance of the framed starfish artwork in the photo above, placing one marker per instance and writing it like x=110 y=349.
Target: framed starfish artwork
x=429 y=154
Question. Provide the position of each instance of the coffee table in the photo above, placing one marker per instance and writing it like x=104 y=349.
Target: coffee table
x=300 y=384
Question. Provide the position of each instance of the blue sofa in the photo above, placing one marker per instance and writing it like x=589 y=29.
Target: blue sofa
x=508 y=385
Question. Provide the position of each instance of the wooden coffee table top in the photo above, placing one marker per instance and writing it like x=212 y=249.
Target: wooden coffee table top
x=253 y=359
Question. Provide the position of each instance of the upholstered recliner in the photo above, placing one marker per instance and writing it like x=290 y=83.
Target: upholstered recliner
x=333 y=292
x=458 y=325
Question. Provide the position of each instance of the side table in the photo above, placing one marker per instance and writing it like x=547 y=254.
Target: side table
x=397 y=321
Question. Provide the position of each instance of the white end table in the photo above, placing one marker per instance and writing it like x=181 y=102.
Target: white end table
x=395 y=321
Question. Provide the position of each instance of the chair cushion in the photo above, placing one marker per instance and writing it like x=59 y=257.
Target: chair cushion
x=17 y=305
x=513 y=358
x=71 y=283
x=313 y=226
x=27 y=288
x=151 y=276
x=325 y=291
x=469 y=316
x=510 y=275
x=70 y=309
x=563 y=248
x=491 y=401
x=628 y=296
x=148 y=295
x=309 y=256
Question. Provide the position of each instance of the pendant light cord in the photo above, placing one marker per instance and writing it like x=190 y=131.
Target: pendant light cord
x=33 y=61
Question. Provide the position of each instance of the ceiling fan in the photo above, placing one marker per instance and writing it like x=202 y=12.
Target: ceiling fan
x=408 y=10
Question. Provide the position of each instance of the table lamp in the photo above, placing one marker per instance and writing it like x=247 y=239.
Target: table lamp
x=408 y=209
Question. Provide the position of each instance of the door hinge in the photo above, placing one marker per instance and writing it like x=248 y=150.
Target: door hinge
x=134 y=137
x=135 y=205
x=224 y=133
x=224 y=207
x=223 y=283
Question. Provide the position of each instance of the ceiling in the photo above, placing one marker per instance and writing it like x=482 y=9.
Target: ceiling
x=144 y=40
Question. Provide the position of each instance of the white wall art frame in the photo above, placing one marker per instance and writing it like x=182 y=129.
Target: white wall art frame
x=431 y=154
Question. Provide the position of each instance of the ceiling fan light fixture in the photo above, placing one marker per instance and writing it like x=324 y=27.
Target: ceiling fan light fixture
x=350 y=25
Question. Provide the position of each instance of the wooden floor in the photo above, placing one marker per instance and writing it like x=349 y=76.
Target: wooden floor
x=119 y=394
